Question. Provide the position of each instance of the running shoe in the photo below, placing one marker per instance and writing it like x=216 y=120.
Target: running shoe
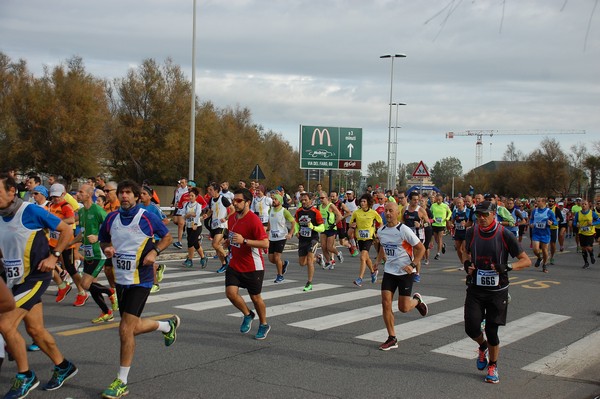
x=586 y=265
x=358 y=282
x=391 y=343
x=189 y=262
x=33 y=347
x=171 y=336
x=104 y=317
x=426 y=261
x=203 y=262
x=62 y=293
x=247 y=323
x=177 y=245
x=340 y=257
x=551 y=261
x=355 y=252
x=279 y=279
x=285 y=266
x=116 y=390
x=160 y=272
x=417 y=278
x=443 y=247
x=544 y=268
x=223 y=268
x=320 y=261
x=437 y=256
x=492 y=374
x=482 y=360
x=562 y=249
x=374 y=276
x=155 y=288
x=81 y=299
x=263 y=331
x=113 y=300
x=331 y=266
x=421 y=306
x=308 y=286
x=21 y=386
x=538 y=262
x=59 y=376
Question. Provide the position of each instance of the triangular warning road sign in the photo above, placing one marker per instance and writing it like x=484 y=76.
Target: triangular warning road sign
x=421 y=171
x=257 y=173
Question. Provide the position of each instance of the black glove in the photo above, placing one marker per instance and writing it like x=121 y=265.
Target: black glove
x=467 y=264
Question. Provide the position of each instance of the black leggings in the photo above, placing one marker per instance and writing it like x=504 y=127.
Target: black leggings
x=473 y=330
x=96 y=290
x=193 y=237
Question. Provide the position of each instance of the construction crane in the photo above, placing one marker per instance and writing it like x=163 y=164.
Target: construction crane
x=480 y=133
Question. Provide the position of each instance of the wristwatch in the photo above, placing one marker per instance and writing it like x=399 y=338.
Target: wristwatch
x=245 y=241
x=509 y=267
x=413 y=265
x=56 y=253
x=158 y=251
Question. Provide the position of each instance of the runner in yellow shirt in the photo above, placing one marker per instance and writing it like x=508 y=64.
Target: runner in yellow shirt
x=364 y=220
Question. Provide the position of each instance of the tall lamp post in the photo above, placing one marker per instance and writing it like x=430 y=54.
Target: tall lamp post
x=392 y=56
x=193 y=105
x=394 y=151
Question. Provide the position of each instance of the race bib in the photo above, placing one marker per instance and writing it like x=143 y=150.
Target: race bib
x=305 y=231
x=438 y=220
x=487 y=278
x=233 y=244
x=540 y=225
x=459 y=227
x=215 y=224
x=585 y=228
x=275 y=234
x=88 y=251
x=364 y=234
x=125 y=261
x=390 y=250
x=264 y=219
x=54 y=235
x=14 y=271
x=189 y=223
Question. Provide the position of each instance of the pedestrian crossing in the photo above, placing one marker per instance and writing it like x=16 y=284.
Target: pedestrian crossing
x=333 y=306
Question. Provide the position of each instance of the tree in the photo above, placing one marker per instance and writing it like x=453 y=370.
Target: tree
x=548 y=169
x=592 y=164
x=512 y=153
x=576 y=159
x=377 y=173
x=402 y=179
x=444 y=170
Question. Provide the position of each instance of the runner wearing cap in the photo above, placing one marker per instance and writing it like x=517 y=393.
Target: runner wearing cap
x=486 y=249
x=541 y=219
x=279 y=234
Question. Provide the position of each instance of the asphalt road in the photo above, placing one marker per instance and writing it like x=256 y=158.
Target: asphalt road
x=324 y=344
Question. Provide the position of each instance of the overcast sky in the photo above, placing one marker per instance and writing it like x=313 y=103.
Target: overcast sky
x=513 y=65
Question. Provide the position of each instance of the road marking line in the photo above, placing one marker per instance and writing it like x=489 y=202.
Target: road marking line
x=105 y=326
x=512 y=332
x=219 y=303
x=570 y=360
x=351 y=316
x=278 y=310
x=418 y=327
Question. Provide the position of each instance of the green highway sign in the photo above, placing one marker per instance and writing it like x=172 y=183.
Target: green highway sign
x=324 y=147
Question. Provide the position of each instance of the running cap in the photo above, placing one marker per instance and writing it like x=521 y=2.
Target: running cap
x=349 y=192
x=485 y=206
x=56 y=190
x=191 y=183
x=561 y=203
x=277 y=197
x=148 y=190
x=578 y=199
x=261 y=188
x=41 y=190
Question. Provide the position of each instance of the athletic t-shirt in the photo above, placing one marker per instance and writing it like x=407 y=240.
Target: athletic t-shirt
x=365 y=228
x=90 y=221
x=245 y=258
x=397 y=243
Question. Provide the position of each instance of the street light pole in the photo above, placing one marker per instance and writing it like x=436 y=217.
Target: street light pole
x=193 y=106
x=394 y=151
x=389 y=179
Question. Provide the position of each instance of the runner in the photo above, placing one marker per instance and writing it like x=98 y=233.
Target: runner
x=363 y=222
x=128 y=236
x=247 y=238
x=91 y=217
x=441 y=215
x=146 y=202
x=586 y=221
x=219 y=213
x=309 y=223
x=279 y=234
x=402 y=250
x=331 y=216
x=193 y=224
x=415 y=217
x=487 y=247
x=541 y=220
x=24 y=249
